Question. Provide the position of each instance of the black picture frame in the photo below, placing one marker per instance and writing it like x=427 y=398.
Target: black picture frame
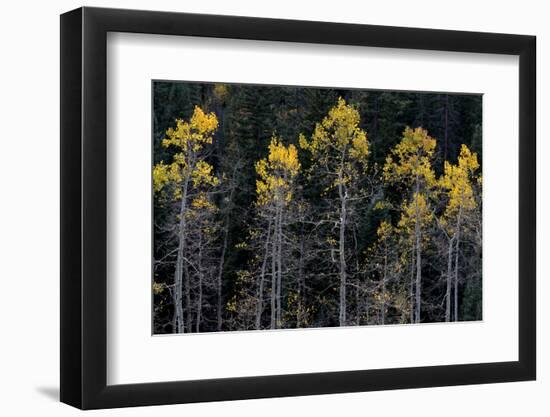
x=84 y=207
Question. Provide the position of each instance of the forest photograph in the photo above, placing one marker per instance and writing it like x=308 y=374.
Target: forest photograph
x=289 y=207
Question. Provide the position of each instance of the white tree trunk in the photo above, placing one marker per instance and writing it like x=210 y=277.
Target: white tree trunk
x=200 y=272
x=274 y=273
x=449 y=280
x=418 y=284
x=300 y=282
x=260 y=295
x=178 y=321
x=279 y=268
x=411 y=285
x=418 y=237
x=222 y=255
x=383 y=306
x=342 y=250
x=458 y=225
x=220 y=275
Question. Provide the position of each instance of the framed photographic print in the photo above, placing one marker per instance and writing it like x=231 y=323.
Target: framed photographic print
x=257 y=208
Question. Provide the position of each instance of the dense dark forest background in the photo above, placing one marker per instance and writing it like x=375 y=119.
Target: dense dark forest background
x=409 y=250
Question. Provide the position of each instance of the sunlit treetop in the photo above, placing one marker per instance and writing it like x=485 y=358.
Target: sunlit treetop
x=457 y=181
x=411 y=158
x=276 y=173
x=338 y=143
x=283 y=158
x=189 y=138
x=339 y=131
x=192 y=135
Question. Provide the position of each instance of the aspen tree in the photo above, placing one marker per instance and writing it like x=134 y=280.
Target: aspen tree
x=384 y=265
x=339 y=150
x=409 y=164
x=181 y=179
x=456 y=183
x=270 y=240
x=275 y=191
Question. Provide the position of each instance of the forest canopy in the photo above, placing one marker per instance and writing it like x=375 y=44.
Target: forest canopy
x=292 y=207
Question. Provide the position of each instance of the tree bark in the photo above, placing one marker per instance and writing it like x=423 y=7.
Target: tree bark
x=458 y=225
x=301 y=280
x=199 y=300
x=274 y=273
x=449 y=280
x=411 y=285
x=224 y=250
x=418 y=237
x=178 y=321
x=219 y=278
x=279 y=267
x=383 y=306
x=259 y=305
x=357 y=280
x=187 y=286
x=342 y=248
x=418 y=285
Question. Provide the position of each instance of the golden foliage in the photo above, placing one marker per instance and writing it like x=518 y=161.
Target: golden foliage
x=202 y=202
x=384 y=231
x=276 y=173
x=193 y=134
x=202 y=174
x=457 y=182
x=411 y=158
x=189 y=138
x=338 y=135
x=417 y=209
x=160 y=176
x=338 y=145
x=158 y=288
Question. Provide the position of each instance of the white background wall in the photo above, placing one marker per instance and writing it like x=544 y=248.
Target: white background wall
x=29 y=213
